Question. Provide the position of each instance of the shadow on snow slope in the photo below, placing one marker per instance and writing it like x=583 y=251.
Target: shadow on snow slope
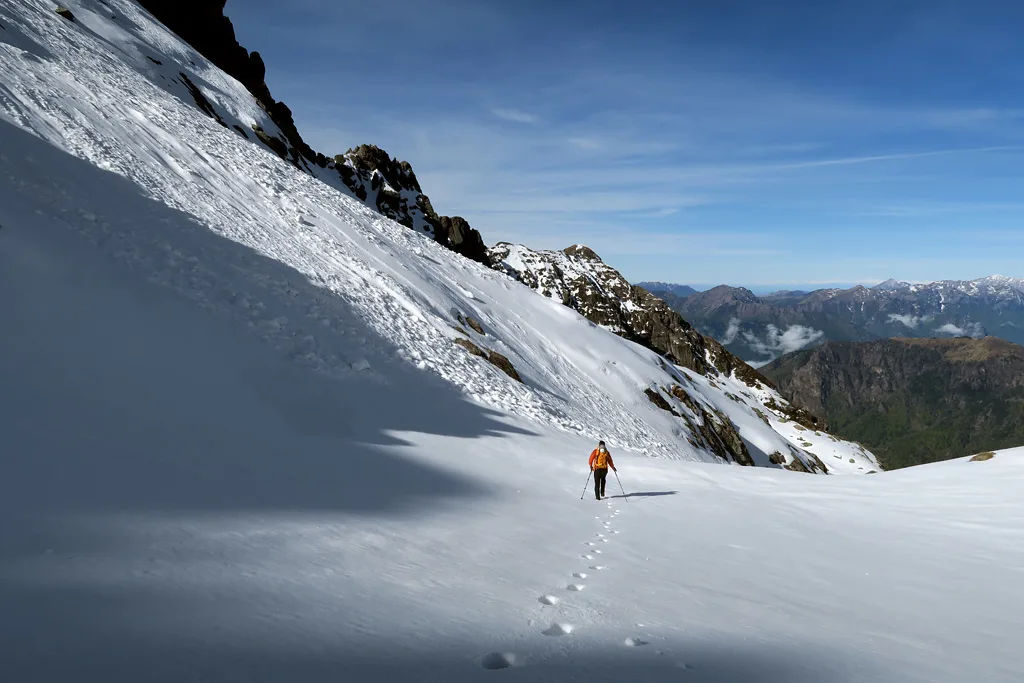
x=120 y=395
x=178 y=661
x=125 y=401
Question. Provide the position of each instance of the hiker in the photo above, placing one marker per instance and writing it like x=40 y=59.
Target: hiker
x=600 y=461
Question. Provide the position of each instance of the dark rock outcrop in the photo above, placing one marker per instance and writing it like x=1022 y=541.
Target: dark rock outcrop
x=203 y=25
x=504 y=364
x=578 y=278
x=496 y=359
x=200 y=99
x=386 y=184
x=912 y=401
x=391 y=187
x=475 y=325
x=715 y=431
x=659 y=400
x=471 y=347
x=463 y=239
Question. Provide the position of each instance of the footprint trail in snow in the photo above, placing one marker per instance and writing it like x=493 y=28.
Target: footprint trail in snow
x=559 y=627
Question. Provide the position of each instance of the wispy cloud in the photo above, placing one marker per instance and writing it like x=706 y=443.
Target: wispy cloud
x=843 y=161
x=634 y=155
x=968 y=330
x=911 y=321
x=663 y=213
x=938 y=208
x=731 y=332
x=515 y=115
x=586 y=143
x=775 y=342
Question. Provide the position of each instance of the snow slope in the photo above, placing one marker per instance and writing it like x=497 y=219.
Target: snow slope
x=111 y=91
x=238 y=443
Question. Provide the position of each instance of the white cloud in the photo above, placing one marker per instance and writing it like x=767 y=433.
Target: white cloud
x=911 y=321
x=514 y=115
x=968 y=330
x=732 y=332
x=950 y=328
x=777 y=342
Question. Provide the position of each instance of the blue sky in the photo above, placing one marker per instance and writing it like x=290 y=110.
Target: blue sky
x=795 y=143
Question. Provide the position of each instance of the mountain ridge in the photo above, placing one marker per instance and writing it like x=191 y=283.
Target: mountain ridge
x=681 y=291
x=371 y=174
x=154 y=134
x=761 y=328
x=391 y=187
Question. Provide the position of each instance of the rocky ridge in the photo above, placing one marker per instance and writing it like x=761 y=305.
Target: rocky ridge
x=387 y=185
x=586 y=284
x=579 y=279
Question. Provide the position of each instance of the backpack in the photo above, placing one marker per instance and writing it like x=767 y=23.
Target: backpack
x=601 y=461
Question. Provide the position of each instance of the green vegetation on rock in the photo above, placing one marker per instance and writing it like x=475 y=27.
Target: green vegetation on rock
x=912 y=401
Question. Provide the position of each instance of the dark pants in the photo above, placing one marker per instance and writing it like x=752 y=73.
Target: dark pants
x=600 y=476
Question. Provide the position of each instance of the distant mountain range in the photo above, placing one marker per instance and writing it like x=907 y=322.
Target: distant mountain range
x=659 y=288
x=911 y=401
x=758 y=329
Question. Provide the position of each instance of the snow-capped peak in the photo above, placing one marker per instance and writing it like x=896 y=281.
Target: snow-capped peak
x=891 y=284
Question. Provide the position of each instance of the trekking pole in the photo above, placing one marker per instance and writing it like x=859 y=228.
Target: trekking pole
x=586 y=485
x=620 y=485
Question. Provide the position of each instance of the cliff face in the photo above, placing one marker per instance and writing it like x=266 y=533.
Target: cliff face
x=912 y=400
x=203 y=25
x=390 y=186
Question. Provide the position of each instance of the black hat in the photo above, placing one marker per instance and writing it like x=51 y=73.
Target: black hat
x=600 y=443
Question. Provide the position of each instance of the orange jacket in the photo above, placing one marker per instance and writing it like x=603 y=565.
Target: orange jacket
x=599 y=461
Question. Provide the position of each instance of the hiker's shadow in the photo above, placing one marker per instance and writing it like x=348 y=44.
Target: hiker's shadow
x=644 y=494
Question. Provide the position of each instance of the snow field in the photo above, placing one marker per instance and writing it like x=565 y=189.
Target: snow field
x=238 y=442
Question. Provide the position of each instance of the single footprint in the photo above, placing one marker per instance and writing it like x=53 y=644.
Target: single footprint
x=634 y=642
x=597 y=551
x=579 y=575
x=558 y=630
x=588 y=557
x=588 y=543
x=548 y=600
x=599 y=535
x=615 y=532
x=597 y=567
x=604 y=540
x=499 y=660
x=576 y=587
